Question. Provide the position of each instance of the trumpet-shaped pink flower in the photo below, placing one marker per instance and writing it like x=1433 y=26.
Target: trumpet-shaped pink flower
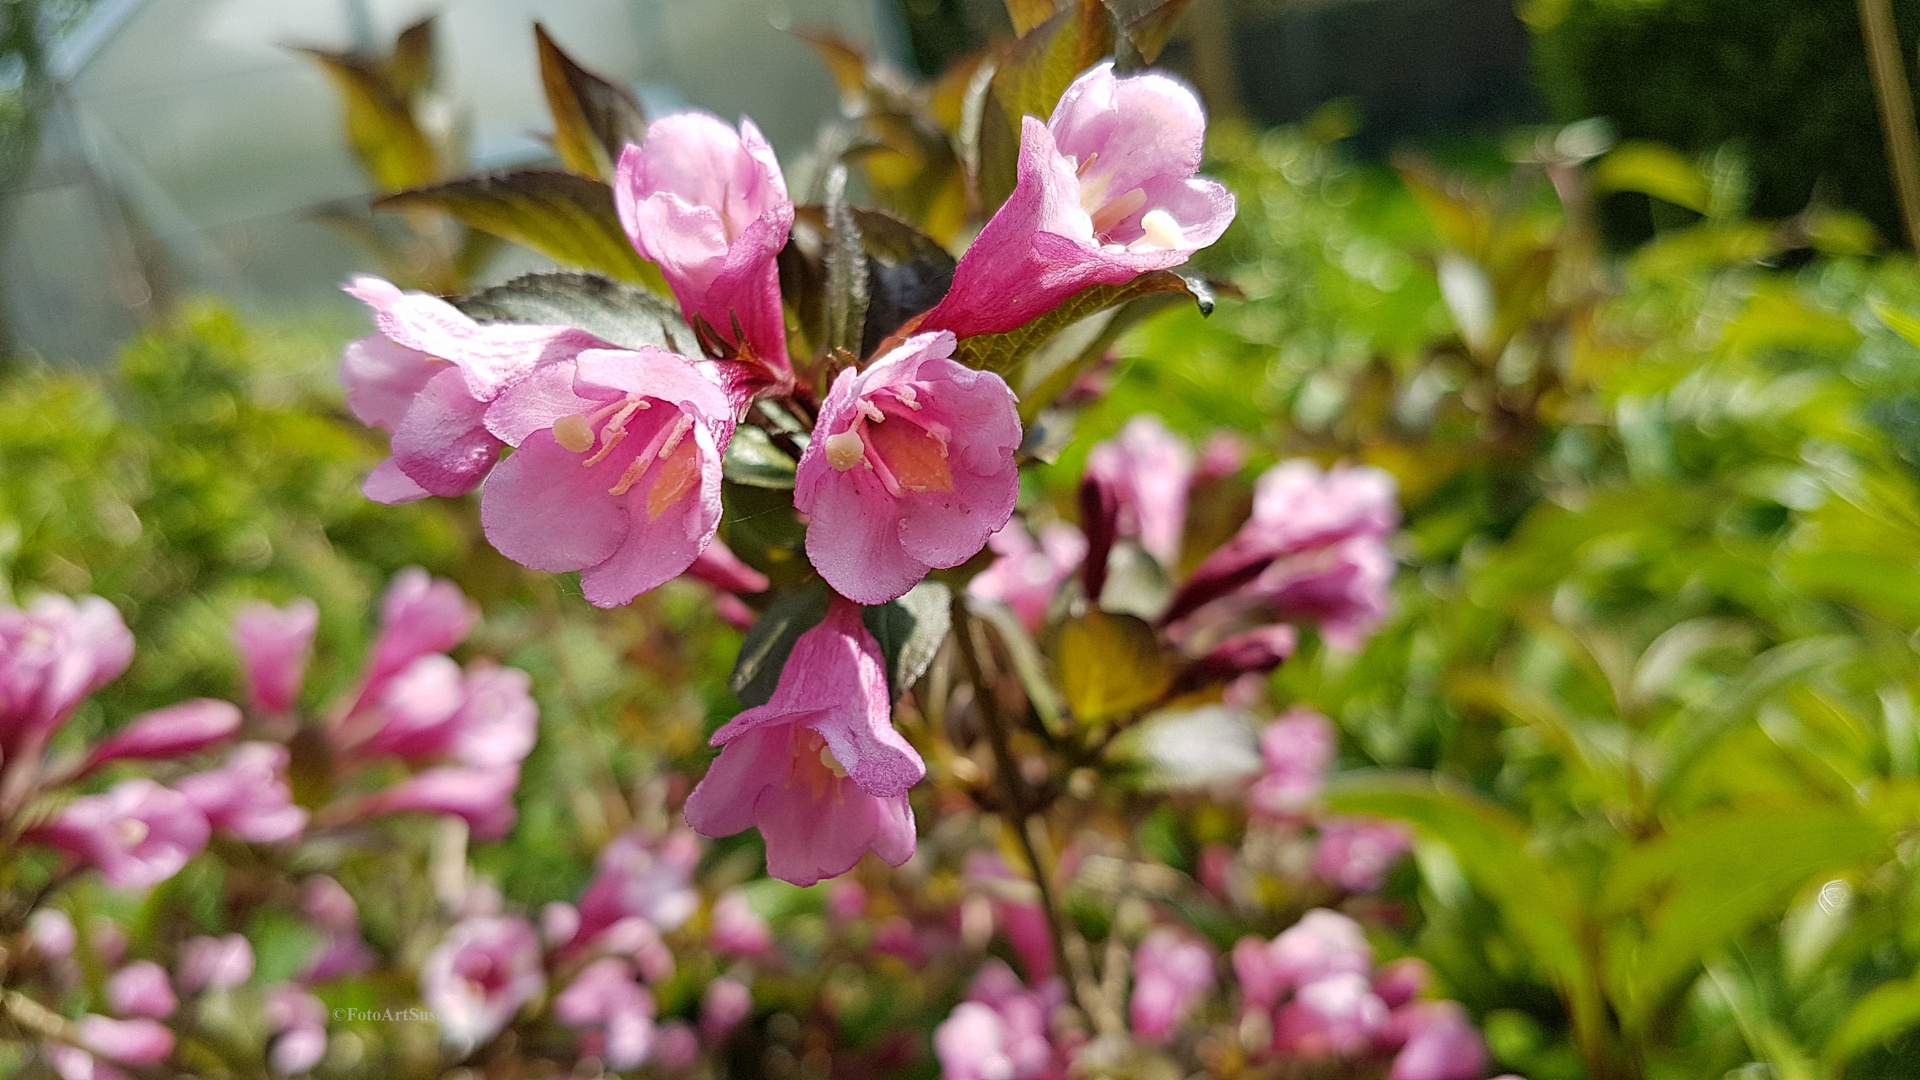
x=616 y=1012
x=1337 y=1016
x=1003 y=1031
x=479 y=976
x=1356 y=853
x=273 y=644
x=1027 y=574
x=419 y=615
x=52 y=655
x=910 y=468
x=818 y=768
x=137 y=833
x=644 y=876
x=141 y=989
x=248 y=796
x=482 y=796
x=1150 y=470
x=298 y=1021
x=215 y=963
x=427 y=377
x=617 y=474
x=708 y=204
x=170 y=732
x=432 y=710
x=1170 y=972
x=1105 y=192
x=737 y=929
x=1298 y=748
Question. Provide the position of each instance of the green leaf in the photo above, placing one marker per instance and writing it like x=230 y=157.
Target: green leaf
x=379 y=119
x=1874 y=582
x=910 y=631
x=907 y=273
x=1898 y=321
x=1110 y=666
x=1146 y=24
x=754 y=460
x=566 y=217
x=1029 y=82
x=1656 y=170
x=846 y=265
x=1004 y=353
x=760 y=526
x=764 y=651
x=616 y=313
x=1028 y=666
x=1050 y=369
x=593 y=118
x=1891 y=1009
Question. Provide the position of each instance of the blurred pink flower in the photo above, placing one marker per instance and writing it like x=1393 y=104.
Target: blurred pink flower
x=1149 y=469
x=174 y=731
x=1400 y=981
x=819 y=768
x=130 y=1042
x=617 y=471
x=1252 y=653
x=479 y=976
x=719 y=567
x=910 y=468
x=215 y=963
x=640 y=874
x=136 y=833
x=1323 y=943
x=709 y=205
x=273 y=644
x=1440 y=1043
x=1343 y=588
x=480 y=795
x=725 y=1004
x=846 y=900
x=737 y=929
x=52 y=655
x=1027 y=575
x=1016 y=909
x=141 y=989
x=298 y=1021
x=1002 y=1032
x=1355 y=854
x=73 y=1063
x=1334 y=1016
x=248 y=796
x=617 y=1012
x=433 y=711
x=1298 y=748
x=332 y=910
x=52 y=933
x=1171 y=970
x=675 y=1046
x=419 y=615
x=1105 y=191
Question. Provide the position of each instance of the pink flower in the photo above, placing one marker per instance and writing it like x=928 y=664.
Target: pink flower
x=1400 y=981
x=737 y=929
x=215 y=963
x=1321 y=944
x=1170 y=972
x=1150 y=469
x=719 y=567
x=73 y=1063
x=726 y=1003
x=141 y=990
x=52 y=655
x=52 y=933
x=1337 y=1016
x=1105 y=192
x=129 y=1042
x=1355 y=854
x=1016 y=909
x=332 y=909
x=675 y=1046
x=1342 y=587
x=1002 y=1032
x=846 y=900
x=419 y=615
x=480 y=795
x=299 y=1023
x=710 y=207
x=248 y=796
x=273 y=644
x=137 y=833
x=479 y=976
x=432 y=711
x=818 y=768
x=640 y=875
x=910 y=468
x=617 y=474
x=1441 y=1043
x=170 y=732
x=618 y=1011
x=427 y=377
x=1027 y=575
x=1298 y=748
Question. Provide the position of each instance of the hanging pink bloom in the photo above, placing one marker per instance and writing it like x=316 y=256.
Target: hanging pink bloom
x=1105 y=192
x=52 y=655
x=725 y=1004
x=1355 y=854
x=141 y=989
x=910 y=468
x=1150 y=469
x=737 y=929
x=479 y=976
x=719 y=567
x=1003 y=1031
x=1337 y=1016
x=617 y=474
x=640 y=875
x=1440 y=1043
x=434 y=711
x=273 y=644
x=1299 y=748
x=171 y=732
x=298 y=1021
x=248 y=796
x=1027 y=574
x=215 y=963
x=129 y=1042
x=480 y=795
x=709 y=205
x=419 y=615
x=616 y=1012
x=818 y=769
x=1170 y=972
x=137 y=833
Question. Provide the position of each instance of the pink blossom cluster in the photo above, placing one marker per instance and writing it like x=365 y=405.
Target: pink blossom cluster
x=1004 y=1031
x=1350 y=854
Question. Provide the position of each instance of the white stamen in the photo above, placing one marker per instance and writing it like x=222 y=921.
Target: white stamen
x=573 y=433
x=846 y=450
x=1161 y=230
x=869 y=410
x=908 y=396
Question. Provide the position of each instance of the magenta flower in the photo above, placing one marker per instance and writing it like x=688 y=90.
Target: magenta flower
x=1337 y=1016
x=141 y=989
x=1105 y=192
x=171 y=732
x=1343 y=588
x=1355 y=854
x=1400 y=981
x=433 y=711
x=332 y=909
x=818 y=768
x=215 y=963
x=273 y=644
x=1170 y=972
x=479 y=976
x=248 y=796
x=1027 y=575
x=726 y=1003
x=709 y=205
x=640 y=875
x=1321 y=944
x=1017 y=912
x=419 y=615
x=910 y=468
x=1150 y=470
x=737 y=929
x=1002 y=1032
x=482 y=796
x=1441 y=1043
x=1299 y=748
x=130 y=1042
x=427 y=377
x=52 y=655
x=1252 y=653
x=675 y=1047
x=617 y=474
x=616 y=1012
x=298 y=1021
x=137 y=833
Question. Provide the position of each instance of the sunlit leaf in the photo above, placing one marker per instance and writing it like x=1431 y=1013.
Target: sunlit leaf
x=1654 y=169
x=1110 y=666
x=593 y=117
x=616 y=313
x=1147 y=23
x=1029 y=82
x=380 y=126
x=1891 y=1009
x=1005 y=352
x=910 y=631
x=752 y=459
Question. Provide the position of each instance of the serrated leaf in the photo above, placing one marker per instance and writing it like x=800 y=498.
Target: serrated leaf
x=1037 y=70
x=1004 y=353
x=1146 y=24
x=910 y=631
x=769 y=641
x=752 y=459
x=380 y=127
x=1110 y=666
x=593 y=117
x=615 y=312
x=568 y=217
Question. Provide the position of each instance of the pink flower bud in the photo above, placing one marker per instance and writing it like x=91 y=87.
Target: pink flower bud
x=419 y=615
x=137 y=833
x=130 y=1042
x=483 y=797
x=141 y=990
x=215 y=963
x=52 y=934
x=248 y=796
x=719 y=567
x=675 y=1046
x=1149 y=470
x=1255 y=652
x=846 y=900
x=1400 y=981
x=559 y=922
x=171 y=732
x=299 y=1023
x=273 y=644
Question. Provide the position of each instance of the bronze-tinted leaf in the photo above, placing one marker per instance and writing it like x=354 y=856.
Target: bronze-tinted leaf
x=1029 y=82
x=615 y=312
x=1147 y=24
x=593 y=117
x=1004 y=352
x=410 y=69
x=1110 y=665
x=379 y=121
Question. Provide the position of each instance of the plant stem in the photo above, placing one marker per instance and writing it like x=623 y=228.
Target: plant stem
x=1896 y=109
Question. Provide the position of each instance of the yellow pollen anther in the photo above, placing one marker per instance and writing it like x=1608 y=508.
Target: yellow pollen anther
x=845 y=450
x=573 y=433
x=832 y=763
x=131 y=830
